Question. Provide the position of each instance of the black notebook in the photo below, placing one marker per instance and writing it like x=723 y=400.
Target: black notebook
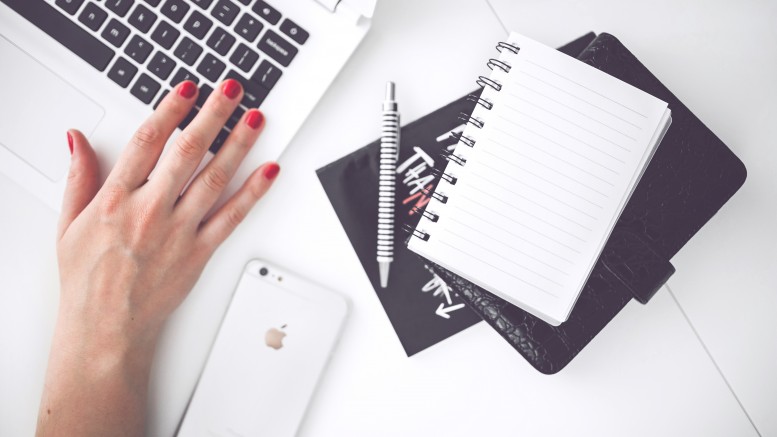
x=691 y=176
x=421 y=307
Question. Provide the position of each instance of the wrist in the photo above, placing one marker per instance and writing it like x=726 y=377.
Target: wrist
x=96 y=365
x=104 y=345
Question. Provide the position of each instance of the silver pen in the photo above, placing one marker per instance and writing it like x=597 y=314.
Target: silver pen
x=389 y=154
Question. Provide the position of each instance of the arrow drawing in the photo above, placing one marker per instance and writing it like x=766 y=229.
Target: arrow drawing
x=439 y=286
x=444 y=311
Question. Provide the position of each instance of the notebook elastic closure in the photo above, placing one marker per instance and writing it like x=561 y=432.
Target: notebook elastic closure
x=633 y=262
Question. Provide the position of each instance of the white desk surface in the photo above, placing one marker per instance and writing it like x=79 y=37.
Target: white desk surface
x=698 y=365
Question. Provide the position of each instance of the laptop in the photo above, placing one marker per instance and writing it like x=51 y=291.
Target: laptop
x=101 y=66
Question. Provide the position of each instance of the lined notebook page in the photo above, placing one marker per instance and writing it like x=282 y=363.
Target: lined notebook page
x=552 y=168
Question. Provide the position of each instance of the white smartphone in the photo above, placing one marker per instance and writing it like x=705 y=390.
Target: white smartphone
x=269 y=354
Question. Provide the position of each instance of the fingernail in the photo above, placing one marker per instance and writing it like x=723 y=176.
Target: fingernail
x=231 y=88
x=254 y=119
x=70 y=142
x=271 y=171
x=187 y=90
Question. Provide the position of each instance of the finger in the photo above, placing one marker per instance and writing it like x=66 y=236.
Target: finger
x=219 y=226
x=211 y=181
x=176 y=167
x=142 y=153
x=83 y=179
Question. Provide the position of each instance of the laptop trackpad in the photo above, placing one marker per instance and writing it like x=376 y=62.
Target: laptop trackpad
x=37 y=107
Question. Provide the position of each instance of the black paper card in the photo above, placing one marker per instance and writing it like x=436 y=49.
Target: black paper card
x=421 y=307
x=418 y=304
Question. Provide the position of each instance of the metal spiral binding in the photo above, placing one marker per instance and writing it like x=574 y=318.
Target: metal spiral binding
x=415 y=232
x=432 y=217
x=480 y=101
x=507 y=46
x=452 y=157
x=442 y=198
x=442 y=175
x=484 y=81
x=460 y=137
x=478 y=123
x=496 y=63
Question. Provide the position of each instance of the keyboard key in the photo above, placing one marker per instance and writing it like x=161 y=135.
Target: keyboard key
x=138 y=49
x=221 y=41
x=145 y=88
x=221 y=138
x=245 y=2
x=122 y=72
x=120 y=7
x=93 y=16
x=165 y=34
x=154 y=3
x=235 y=117
x=183 y=74
x=205 y=91
x=225 y=11
x=75 y=38
x=142 y=18
x=70 y=6
x=198 y=25
x=248 y=27
x=161 y=65
x=211 y=67
x=175 y=10
x=188 y=51
x=204 y=4
x=161 y=97
x=278 y=48
x=298 y=34
x=267 y=75
x=267 y=12
x=244 y=58
x=115 y=32
x=188 y=119
x=253 y=93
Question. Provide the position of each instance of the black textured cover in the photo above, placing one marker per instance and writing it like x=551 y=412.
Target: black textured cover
x=691 y=176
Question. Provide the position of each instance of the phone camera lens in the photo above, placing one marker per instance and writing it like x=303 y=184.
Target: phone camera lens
x=263 y=271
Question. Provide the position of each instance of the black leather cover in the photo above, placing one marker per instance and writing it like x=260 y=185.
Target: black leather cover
x=691 y=176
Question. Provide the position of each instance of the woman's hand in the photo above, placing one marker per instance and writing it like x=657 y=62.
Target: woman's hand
x=131 y=250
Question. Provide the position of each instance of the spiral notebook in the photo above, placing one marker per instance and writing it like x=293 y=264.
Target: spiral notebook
x=548 y=161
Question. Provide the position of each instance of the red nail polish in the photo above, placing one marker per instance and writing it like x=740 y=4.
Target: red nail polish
x=231 y=88
x=271 y=171
x=254 y=119
x=187 y=90
x=70 y=142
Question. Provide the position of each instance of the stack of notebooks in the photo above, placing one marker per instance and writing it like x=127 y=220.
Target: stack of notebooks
x=539 y=178
x=564 y=197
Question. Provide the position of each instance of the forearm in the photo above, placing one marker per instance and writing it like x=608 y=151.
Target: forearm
x=94 y=388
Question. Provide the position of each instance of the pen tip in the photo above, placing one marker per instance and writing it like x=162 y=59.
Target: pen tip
x=383 y=269
x=390 y=90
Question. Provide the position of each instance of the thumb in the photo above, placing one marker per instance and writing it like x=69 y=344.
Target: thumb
x=83 y=179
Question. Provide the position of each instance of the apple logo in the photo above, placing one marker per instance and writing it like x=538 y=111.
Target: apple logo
x=274 y=337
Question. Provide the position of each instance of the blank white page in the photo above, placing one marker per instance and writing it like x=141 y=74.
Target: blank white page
x=552 y=167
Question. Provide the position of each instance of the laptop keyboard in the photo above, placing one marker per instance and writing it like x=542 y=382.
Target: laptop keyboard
x=139 y=48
